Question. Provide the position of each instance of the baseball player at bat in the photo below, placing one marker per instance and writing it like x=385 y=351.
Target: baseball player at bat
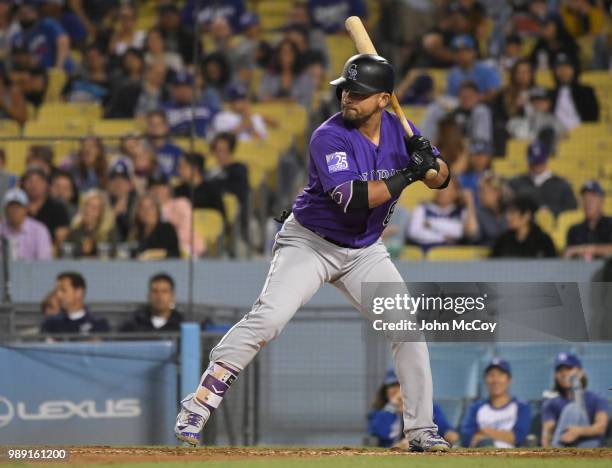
x=360 y=162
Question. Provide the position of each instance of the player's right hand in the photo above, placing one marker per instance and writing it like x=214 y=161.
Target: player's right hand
x=422 y=157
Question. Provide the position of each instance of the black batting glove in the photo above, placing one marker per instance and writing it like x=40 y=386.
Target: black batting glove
x=422 y=158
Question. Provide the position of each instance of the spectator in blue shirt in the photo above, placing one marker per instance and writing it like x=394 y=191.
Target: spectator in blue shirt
x=210 y=10
x=385 y=421
x=468 y=68
x=501 y=421
x=158 y=136
x=329 y=15
x=575 y=417
x=180 y=110
x=481 y=153
x=45 y=39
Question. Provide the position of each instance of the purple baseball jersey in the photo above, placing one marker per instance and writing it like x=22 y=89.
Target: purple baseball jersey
x=340 y=153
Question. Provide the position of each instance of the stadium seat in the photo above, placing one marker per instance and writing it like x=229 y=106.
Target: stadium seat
x=565 y=220
x=411 y=252
x=439 y=78
x=9 y=128
x=516 y=150
x=208 y=225
x=115 y=127
x=89 y=112
x=15 y=151
x=415 y=114
x=546 y=219
x=70 y=127
x=457 y=253
x=56 y=80
x=230 y=202
x=340 y=47
x=415 y=194
x=199 y=146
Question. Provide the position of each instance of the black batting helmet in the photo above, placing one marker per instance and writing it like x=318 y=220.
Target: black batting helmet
x=365 y=74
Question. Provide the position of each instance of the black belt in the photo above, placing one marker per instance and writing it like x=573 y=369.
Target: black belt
x=332 y=241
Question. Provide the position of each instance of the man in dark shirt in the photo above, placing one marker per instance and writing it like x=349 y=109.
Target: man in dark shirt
x=205 y=193
x=592 y=237
x=159 y=313
x=546 y=188
x=524 y=238
x=74 y=316
x=42 y=207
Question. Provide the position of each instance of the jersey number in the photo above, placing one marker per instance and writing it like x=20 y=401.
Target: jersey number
x=390 y=213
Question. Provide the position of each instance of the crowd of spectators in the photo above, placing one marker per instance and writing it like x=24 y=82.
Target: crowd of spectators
x=502 y=420
x=196 y=67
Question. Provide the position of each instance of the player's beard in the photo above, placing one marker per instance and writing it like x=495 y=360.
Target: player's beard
x=353 y=117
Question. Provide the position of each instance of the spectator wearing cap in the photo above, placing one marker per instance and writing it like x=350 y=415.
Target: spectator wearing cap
x=546 y=188
x=574 y=102
x=74 y=317
x=523 y=238
x=178 y=212
x=553 y=40
x=178 y=37
x=385 y=421
x=93 y=230
x=159 y=314
x=538 y=122
x=239 y=119
x=44 y=38
x=28 y=239
x=158 y=137
x=472 y=116
x=42 y=207
x=329 y=15
x=12 y=100
x=468 y=68
x=206 y=194
x=592 y=237
x=480 y=155
x=575 y=417
x=501 y=421
x=490 y=211
x=182 y=112
x=155 y=239
x=123 y=197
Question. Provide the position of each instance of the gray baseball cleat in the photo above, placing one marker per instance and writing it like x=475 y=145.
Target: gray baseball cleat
x=190 y=421
x=429 y=441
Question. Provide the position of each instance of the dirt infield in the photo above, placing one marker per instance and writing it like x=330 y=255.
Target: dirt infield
x=112 y=455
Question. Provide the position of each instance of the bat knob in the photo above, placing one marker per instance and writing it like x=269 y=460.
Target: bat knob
x=431 y=174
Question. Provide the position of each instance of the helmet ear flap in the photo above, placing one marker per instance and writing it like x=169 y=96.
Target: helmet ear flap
x=339 y=93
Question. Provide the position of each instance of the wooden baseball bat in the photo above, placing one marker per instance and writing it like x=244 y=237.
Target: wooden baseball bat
x=364 y=45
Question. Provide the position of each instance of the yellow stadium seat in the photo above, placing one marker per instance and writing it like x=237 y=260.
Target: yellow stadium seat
x=115 y=127
x=15 y=152
x=208 y=225
x=565 y=220
x=57 y=129
x=9 y=128
x=516 y=150
x=411 y=252
x=546 y=220
x=230 y=202
x=415 y=194
x=56 y=80
x=415 y=114
x=608 y=205
x=509 y=168
x=457 y=253
x=340 y=47
x=89 y=112
x=257 y=153
x=439 y=77
x=545 y=78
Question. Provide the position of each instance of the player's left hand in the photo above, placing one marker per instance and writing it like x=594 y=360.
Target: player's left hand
x=422 y=157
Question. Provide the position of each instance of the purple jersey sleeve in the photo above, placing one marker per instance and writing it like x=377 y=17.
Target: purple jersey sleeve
x=333 y=161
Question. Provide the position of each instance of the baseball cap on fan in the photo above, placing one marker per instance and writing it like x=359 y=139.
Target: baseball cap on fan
x=390 y=378
x=537 y=153
x=15 y=195
x=567 y=360
x=498 y=363
x=592 y=186
x=463 y=41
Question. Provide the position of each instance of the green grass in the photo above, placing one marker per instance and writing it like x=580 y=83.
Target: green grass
x=358 y=461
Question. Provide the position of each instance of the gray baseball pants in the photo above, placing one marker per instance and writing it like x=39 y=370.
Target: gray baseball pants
x=302 y=262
